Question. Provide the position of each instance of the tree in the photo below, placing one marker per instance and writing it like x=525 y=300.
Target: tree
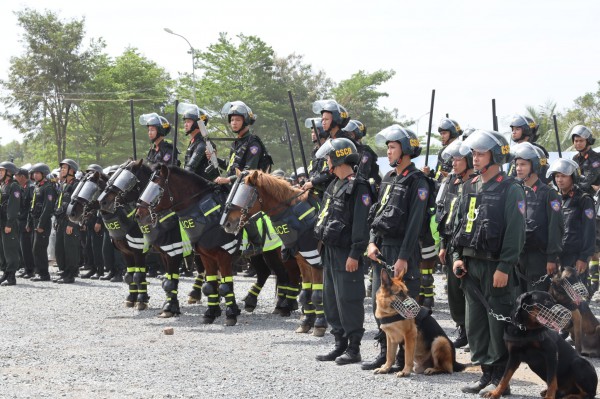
x=52 y=70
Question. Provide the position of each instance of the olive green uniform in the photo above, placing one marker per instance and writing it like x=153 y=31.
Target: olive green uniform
x=68 y=246
x=10 y=200
x=40 y=217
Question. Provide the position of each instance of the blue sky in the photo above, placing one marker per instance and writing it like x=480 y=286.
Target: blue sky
x=518 y=52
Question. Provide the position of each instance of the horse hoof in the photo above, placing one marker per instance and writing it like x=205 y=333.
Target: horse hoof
x=249 y=309
x=192 y=301
x=285 y=312
x=276 y=311
x=319 y=332
x=303 y=329
x=229 y=322
x=166 y=315
x=141 y=306
x=129 y=304
x=207 y=320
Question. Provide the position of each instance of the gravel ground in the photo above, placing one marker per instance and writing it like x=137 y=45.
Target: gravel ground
x=79 y=341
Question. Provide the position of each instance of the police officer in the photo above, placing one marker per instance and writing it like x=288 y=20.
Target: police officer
x=524 y=130
x=545 y=227
x=67 y=233
x=22 y=177
x=342 y=227
x=195 y=159
x=589 y=181
x=10 y=205
x=333 y=116
x=93 y=237
x=42 y=208
x=161 y=150
x=318 y=171
x=489 y=239
x=368 y=169
x=449 y=130
x=578 y=213
x=397 y=219
x=447 y=203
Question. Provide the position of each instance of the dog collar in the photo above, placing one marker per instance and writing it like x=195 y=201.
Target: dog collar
x=391 y=319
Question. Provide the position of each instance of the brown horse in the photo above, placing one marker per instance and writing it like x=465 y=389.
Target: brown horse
x=196 y=201
x=293 y=213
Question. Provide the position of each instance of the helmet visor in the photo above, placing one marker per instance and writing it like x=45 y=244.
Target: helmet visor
x=325 y=105
x=480 y=141
x=188 y=109
x=564 y=166
x=150 y=119
x=309 y=121
x=525 y=151
x=324 y=149
x=390 y=133
x=452 y=151
x=518 y=121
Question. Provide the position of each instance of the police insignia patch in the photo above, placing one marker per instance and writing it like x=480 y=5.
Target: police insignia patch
x=521 y=206
x=167 y=157
x=49 y=197
x=254 y=150
x=589 y=213
x=17 y=194
x=364 y=159
x=422 y=193
x=596 y=164
x=366 y=199
x=555 y=205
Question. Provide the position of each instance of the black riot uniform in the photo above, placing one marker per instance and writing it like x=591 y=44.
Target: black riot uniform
x=68 y=245
x=10 y=204
x=161 y=150
x=42 y=208
x=580 y=230
x=25 y=237
x=543 y=169
x=163 y=153
x=246 y=153
x=342 y=227
x=589 y=165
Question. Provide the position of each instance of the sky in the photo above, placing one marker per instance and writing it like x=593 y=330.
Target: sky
x=521 y=53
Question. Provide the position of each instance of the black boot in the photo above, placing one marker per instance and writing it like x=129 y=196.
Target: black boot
x=11 y=279
x=108 y=276
x=341 y=344
x=497 y=373
x=399 y=364
x=90 y=273
x=4 y=277
x=381 y=357
x=352 y=354
x=461 y=340
x=485 y=379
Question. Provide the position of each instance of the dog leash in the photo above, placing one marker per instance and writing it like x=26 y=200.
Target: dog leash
x=533 y=284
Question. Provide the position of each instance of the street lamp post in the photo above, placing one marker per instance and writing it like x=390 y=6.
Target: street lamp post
x=193 y=63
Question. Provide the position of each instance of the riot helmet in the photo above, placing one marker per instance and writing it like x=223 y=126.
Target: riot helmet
x=193 y=112
x=530 y=153
x=356 y=127
x=10 y=167
x=238 y=108
x=566 y=167
x=528 y=125
x=450 y=125
x=319 y=125
x=467 y=132
x=163 y=127
x=488 y=140
x=452 y=150
x=278 y=173
x=340 y=150
x=74 y=166
x=583 y=132
x=300 y=172
x=407 y=138
x=339 y=114
x=94 y=168
x=40 y=167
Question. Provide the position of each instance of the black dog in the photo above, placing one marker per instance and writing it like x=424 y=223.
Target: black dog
x=547 y=354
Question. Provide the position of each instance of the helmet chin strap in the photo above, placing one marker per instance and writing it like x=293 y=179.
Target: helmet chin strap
x=485 y=168
x=192 y=128
x=395 y=163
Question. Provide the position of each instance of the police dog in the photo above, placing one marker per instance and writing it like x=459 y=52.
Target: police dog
x=585 y=331
x=548 y=355
x=427 y=348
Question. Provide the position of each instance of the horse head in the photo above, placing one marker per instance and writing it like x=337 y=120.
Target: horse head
x=84 y=201
x=124 y=186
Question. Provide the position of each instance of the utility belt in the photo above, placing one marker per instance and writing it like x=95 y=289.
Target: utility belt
x=483 y=255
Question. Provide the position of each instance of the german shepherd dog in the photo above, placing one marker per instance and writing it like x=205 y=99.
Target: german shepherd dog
x=548 y=355
x=585 y=331
x=427 y=348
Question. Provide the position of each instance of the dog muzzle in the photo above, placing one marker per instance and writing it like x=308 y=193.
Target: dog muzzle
x=577 y=292
x=556 y=318
x=408 y=308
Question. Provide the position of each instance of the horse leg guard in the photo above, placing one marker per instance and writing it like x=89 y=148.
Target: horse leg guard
x=139 y=278
x=210 y=290
x=426 y=294
x=171 y=306
x=292 y=296
x=320 y=322
x=282 y=307
x=128 y=279
x=231 y=308
x=308 y=309
x=251 y=299
x=195 y=294
x=231 y=313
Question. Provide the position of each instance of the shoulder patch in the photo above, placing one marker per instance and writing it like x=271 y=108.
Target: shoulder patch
x=555 y=205
x=50 y=197
x=166 y=157
x=365 y=159
x=521 y=206
x=596 y=164
x=17 y=194
x=422 y=193
x=254 y=150
x=366 y=199
x=589 y=213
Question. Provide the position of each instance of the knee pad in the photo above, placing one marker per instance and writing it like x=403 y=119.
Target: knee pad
x=224 y=289
x=317 y=296
x=170 y=285
x=208 y=289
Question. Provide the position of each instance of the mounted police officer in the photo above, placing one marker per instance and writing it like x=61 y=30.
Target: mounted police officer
x=579 y=216
x=318 y=171
x=489 y=239
x=42 y=208
x=22 y=177
x=524 y=130
x=195 y=159
x=449 y=131
x=545 y=227
x=161 y=150
x=67 y=233
x=10 y=205
x=397 y=218
x=342 y=227
x=447 y=203
x=589 y=181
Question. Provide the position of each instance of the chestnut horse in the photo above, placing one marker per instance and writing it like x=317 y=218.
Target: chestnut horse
x=163 y=234
x=293 y=213
x=197 y=203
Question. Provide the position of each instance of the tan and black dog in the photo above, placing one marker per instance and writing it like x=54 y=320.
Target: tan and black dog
x=585 y=330
x=548 y=355
x=427 y=348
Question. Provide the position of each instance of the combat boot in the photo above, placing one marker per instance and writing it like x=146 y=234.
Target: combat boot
x=485 y=379
x=379 y=361
x=108 y=276
x=461 y=340
x=497 y=373
x=352 y=353
x=11 y=279
x=4 y=277
x=341 y=344
x=90 y=273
